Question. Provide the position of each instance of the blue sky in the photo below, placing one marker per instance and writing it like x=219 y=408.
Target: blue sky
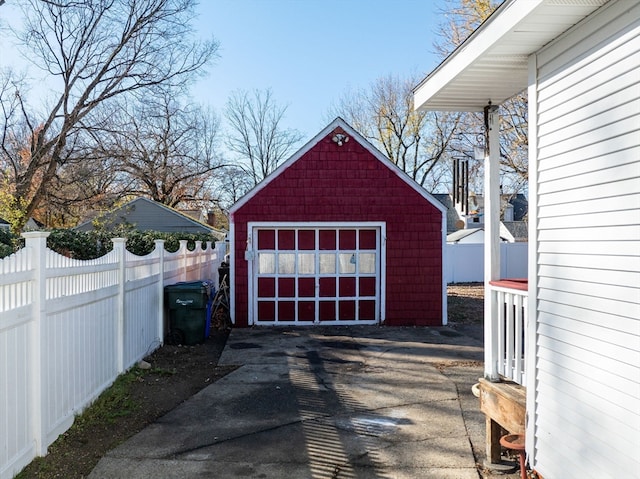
x=309 y=52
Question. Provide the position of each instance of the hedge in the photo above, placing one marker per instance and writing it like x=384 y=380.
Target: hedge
x=94 y=244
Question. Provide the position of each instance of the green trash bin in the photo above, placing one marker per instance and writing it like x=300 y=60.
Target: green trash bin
x=188 y=311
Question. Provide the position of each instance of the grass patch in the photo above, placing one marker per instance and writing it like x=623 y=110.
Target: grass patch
x=113 y=403
x=134 y=400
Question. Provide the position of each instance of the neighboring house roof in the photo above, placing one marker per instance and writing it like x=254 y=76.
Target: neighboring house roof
x=149 y=215
x=465 y=234
x=31 y=224
x=452 y=215
x=460 y=235
x=518 y=229
x=197 y=214
x=494 y=60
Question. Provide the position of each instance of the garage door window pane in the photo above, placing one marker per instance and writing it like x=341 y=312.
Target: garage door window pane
x=347 y=287
x=286 y=239
x=266 y=311
x=367 y=286
x=327 y=263
x=347 y=310
x=306 y=263
x=266 y=263
x=266 y=239
x=347 y=239
x=266 y=287
x=286 y=311
x=286 y=263
x=367 y=263
x=286 y=287
x=327 y=287
x=327 y=239
x=347 y=263
x=306 y=239
x=306 y=287
x=368 y=239
x=327 y=310
x=367 y=310
x=306 y=311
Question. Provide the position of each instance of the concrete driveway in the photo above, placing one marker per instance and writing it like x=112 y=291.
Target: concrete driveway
x=320 y=402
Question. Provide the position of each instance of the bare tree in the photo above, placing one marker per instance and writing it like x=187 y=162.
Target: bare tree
x=162 y=149
x=414 y=140
x=94 y=51
x=460 y=19
x=232 y=183
x=257 y=135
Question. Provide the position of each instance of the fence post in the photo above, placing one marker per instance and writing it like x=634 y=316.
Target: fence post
x=199 y=257
x=184 y=251
x=160 y=251
x=208 y=262
x=119 y=247
x=36 y=244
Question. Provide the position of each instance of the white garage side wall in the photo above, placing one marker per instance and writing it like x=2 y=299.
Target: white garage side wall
x=586 y=102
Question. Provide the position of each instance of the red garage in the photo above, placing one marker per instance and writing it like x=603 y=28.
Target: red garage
x=338 y=235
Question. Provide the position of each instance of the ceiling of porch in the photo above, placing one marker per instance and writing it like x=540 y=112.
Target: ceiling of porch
x=492 y=64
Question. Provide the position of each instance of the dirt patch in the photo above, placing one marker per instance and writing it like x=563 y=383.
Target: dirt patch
x=135 y=400
x=465 y=303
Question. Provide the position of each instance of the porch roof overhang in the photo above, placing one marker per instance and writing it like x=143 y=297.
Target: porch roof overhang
x=492 y=64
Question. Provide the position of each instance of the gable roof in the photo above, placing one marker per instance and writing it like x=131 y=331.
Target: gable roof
x=149 y=215
x=339 y=123
x=492 y=64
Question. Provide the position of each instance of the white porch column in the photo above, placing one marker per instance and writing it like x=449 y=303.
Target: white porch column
x=491 y=240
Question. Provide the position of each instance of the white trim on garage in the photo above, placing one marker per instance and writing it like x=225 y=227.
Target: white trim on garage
x=251 y=258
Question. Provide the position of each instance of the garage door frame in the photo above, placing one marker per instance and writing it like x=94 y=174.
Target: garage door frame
x=252 y=260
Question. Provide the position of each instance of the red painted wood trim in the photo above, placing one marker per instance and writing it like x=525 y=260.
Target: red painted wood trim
x=513 y=283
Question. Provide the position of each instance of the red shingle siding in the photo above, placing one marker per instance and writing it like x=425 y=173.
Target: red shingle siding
x=348 y=184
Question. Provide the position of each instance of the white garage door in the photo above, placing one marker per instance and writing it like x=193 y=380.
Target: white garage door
x=316 y=274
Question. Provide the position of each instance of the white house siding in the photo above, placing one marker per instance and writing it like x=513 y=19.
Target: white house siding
x=587 y=115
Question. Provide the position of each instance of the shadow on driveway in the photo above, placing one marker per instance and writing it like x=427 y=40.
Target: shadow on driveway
x=323 y=403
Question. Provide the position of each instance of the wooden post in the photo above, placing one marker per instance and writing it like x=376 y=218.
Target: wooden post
x=493 y=432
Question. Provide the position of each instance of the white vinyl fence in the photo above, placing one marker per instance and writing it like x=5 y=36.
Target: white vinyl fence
x=464 y=262
x=68 y=328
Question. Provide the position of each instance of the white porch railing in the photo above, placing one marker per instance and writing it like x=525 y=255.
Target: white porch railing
x=68 y=328
x=508 y=329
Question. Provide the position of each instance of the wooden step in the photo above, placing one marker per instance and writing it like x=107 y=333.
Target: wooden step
x=504 y=405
